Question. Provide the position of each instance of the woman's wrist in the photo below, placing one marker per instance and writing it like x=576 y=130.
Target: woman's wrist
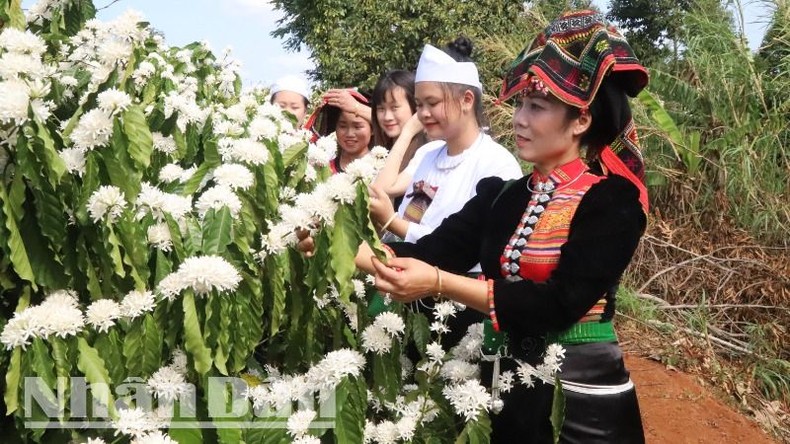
x=389 y=221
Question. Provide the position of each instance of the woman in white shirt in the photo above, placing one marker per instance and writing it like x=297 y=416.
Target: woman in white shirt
x=443 y=174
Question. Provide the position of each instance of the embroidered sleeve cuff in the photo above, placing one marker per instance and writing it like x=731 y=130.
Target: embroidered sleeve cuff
x=491 y=307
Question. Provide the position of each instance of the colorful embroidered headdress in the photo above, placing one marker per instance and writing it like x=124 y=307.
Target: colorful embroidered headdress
x=570 y=59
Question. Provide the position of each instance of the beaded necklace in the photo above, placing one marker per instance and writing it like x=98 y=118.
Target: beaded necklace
x=541 y=196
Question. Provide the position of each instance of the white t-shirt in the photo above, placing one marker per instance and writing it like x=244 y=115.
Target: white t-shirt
x=456 y=178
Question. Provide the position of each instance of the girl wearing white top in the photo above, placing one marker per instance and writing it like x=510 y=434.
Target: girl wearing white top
x=444 y=173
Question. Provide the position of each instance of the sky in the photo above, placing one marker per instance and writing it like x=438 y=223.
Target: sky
x=245 y=26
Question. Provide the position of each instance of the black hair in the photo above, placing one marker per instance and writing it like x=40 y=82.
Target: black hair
x=388 y=82
x=610 y=112
x=329 y=116
x=460 y=50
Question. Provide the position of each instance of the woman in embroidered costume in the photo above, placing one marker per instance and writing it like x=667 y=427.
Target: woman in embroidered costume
x=351 y=127
x=554 y=242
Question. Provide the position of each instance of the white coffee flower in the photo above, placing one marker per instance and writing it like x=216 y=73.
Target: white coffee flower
x=359 y=288
x=234 y=176
x=318 y=157
x=295 y=217
x=438 y=327
x=469 y=348
x=42 y=109
x=93 y=129
x=307 y=439
x=134 y=422
x=164 y=144
x=23 y=42
x=111 y=51
x=244 y=150
x=335 y=366
x=386 y=432
x=375 y=339
x=106 y=201
x=263 y=128
x=113 y=101
x=342 y=188
x=171 y=286
x=156 y=437
x=216 y=198
x=159 y=237
x=74 y=158
x=179 y=361
x=456 y=370
x=319 y=204
x=13 y=65
x=362 y=169
x=206 y=273
x=435 y=351
x=171 y=173
x=14 y=102
x=167 y=384
x=406 y=427
x=506 y=380
x=102 y=314
x=390 y=323
x=444 y=310
x=468 y=399
x=299 y=422
x=137 y=303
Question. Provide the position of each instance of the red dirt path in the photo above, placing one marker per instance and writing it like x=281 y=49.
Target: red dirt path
x=677 y=410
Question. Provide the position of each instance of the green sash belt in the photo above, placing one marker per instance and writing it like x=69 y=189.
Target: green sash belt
x=583 y=333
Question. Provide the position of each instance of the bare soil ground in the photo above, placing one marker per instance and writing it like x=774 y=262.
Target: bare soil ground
x=677 y=409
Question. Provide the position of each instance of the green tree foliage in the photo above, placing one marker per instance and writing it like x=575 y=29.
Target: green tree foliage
x=352 y=43
x=726 y=125
x=653 y=27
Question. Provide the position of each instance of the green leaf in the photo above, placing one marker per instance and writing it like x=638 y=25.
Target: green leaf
x=217 y=231
x=118 y=164
x=184 y=434
x=54 y=166
x=274 y=267
x=50 y=213
x=343 y=250
x=294 y=153
x=113 y=248
x=16 y=16
x=12 y=378
x=111 y=349
x=175 y=236
x=12 y=206
x=141 y=143
x=477 y=431
x=142 y=347
x=420 y=331
x=192 y=184
x=193 y=336
x=133 y=240
x=557 y=409
x=42 y=362
x=92 y=366
x=210 y=152
x=350 y=396
x=387 y=372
